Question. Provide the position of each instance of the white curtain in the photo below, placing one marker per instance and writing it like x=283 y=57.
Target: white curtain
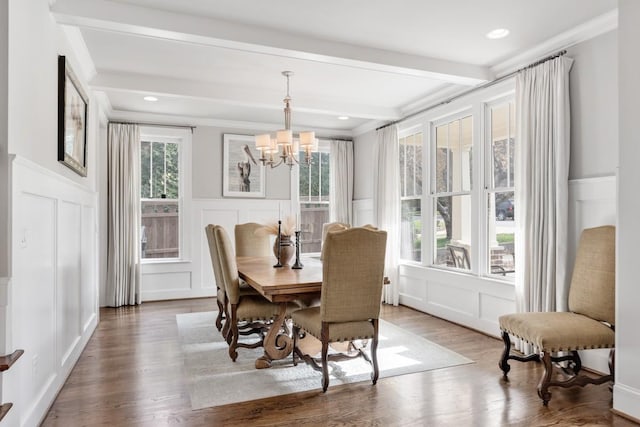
x=386 y=204
x=541 y=199
x=123 y=255
x=341 y=181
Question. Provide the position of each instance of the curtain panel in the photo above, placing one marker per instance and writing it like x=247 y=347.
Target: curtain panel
x=386 y=204
x=542 y=168
x=341 y=181
x=123 y=217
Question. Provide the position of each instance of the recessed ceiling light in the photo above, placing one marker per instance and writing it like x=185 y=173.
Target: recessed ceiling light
x=150 y=98
x=343 y=117
x=498 y=33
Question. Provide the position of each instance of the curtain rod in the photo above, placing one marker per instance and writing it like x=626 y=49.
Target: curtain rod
x=467 y=92
x=154 y=124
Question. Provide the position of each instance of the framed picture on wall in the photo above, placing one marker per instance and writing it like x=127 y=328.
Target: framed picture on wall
x=242 y=173
x=72 y=119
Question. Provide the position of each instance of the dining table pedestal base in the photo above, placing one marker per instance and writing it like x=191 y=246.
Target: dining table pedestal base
x=277 y=343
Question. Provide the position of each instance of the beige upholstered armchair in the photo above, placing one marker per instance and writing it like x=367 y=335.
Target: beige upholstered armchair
x=352 y=280
x=589 y=323
x=249 y=309
x=250 y=244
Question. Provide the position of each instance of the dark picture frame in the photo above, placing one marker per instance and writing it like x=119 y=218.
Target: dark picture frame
x=73 y=104
x=242 y=173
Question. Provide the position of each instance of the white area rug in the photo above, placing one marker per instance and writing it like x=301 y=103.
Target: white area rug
x=214 y=380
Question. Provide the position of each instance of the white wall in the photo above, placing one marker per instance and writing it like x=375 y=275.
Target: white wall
x=594 y=107
x=207 y=166
x=51 y=290
x=364 y=170
x=53 y=302
x=626 y=396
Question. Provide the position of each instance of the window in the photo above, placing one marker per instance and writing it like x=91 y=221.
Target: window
x=451 y=195
x=314 y=197
x=500 y=188
x=411 y=197
x=162 y=188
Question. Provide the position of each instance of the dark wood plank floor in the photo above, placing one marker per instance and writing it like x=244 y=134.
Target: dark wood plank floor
x=130 y=374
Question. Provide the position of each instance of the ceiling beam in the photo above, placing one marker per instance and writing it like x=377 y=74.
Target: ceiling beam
x=148 y=22
x=233 y=95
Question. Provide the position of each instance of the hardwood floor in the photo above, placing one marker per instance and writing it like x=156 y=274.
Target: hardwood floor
x=130 y=374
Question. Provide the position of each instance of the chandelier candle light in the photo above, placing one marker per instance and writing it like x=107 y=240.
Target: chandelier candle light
x=284 y=145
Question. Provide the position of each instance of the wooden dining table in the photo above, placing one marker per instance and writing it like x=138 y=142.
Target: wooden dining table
x=280 y=285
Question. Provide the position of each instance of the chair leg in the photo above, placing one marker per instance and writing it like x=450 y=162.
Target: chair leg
x=220 y=313
x=324 y=335
x=233 y=334
x=503 y=364
x=295 y=331
x=374 y=352
x=545 y=380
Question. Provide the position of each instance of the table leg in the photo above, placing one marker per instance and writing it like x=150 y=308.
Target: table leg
x=276 y=344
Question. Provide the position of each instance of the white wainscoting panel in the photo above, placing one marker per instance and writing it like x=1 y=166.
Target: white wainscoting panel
x=194 y=278
x=362 y=212
x=592 y=202
x=52 y=305
x=468 y=300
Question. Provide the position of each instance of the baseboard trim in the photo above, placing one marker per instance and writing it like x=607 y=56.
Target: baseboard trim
x=626 y=402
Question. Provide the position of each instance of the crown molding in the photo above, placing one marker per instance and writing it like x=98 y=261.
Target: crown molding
x=588 y=30
x=167 y=119
x=368 y=127
x=80 y=51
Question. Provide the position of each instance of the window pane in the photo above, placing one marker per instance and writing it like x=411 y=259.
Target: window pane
x=314 y=178
x=442 y=159
x=452 y=231
x=312 y=217
x=403 y=191
x=145 y=169
x=171 y=171
x=409 y=166
x=418 y=158
x=304 y=179
x=411 y=230
x=512 y=139
x=160 y=229
x=501 y=233
x=455 y=157
x=501 y=148
x=466 y=142
x=157 y=170
x=324 y=177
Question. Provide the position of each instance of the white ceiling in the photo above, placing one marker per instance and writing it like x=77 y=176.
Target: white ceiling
x=220 y=61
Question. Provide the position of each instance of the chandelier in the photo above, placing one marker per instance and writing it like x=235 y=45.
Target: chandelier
x=283 y=147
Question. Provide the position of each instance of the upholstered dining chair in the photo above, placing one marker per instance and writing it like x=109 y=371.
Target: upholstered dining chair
x=221 y=296
x=245 y=328
x=250 y=244
x=329 y=227
x=352 y=280
x=588 y=324
x=241 y=308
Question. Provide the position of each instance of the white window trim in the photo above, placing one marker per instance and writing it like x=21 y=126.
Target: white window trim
x=183 y=137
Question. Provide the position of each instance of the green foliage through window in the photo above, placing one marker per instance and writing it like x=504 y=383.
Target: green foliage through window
x=159 y=171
